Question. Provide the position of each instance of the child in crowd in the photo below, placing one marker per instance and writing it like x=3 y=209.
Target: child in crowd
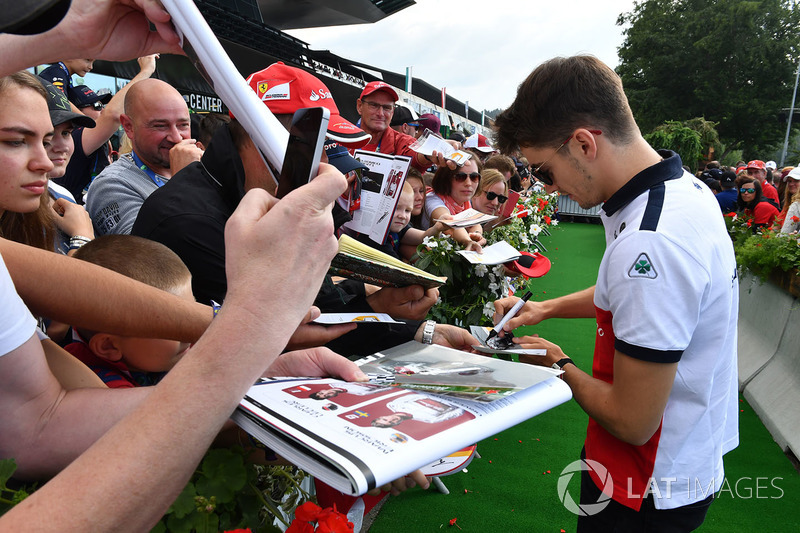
x=402 y=240
x=121 y=361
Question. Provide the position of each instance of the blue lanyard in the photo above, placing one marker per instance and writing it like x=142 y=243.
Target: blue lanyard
x=158 y=180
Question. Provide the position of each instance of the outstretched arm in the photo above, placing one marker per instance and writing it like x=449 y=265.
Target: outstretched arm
x=149 y=456
x=90 y=297
x=116 y=30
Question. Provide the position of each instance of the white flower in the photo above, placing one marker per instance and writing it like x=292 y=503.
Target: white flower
x=535 y=230
x=481 y=270
x=430 y=242
x=494 y=286
x=488 y=309
x=524 y=238
x=554 y=222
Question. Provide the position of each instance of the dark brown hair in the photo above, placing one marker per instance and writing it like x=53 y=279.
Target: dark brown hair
x=560 y=96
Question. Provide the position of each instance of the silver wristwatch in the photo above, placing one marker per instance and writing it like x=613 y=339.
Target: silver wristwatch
x=427 y=332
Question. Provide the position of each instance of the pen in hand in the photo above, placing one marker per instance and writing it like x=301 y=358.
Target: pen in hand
x=508 y=316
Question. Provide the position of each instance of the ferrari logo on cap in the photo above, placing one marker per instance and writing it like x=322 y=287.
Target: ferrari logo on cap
x=262 y=87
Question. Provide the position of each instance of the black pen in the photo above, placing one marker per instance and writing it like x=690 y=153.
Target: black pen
x=508 y=316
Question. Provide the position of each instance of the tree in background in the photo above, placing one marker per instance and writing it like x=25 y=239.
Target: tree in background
x=695 y=140
x=729 y=61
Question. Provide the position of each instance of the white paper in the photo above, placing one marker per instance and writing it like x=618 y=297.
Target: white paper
x=429 y=142
x=359 y=318
x=496 y=254
x=466 y=218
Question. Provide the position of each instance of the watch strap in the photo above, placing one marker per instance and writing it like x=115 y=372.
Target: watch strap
x=427 y=332
x=559 y=365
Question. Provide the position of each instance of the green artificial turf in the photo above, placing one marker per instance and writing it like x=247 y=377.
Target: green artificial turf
x=513 y=485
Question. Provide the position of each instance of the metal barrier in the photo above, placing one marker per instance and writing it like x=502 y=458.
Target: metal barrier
x=567 y=206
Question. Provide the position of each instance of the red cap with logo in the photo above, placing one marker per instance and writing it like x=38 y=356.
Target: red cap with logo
x=375 y=86
x=757 y=163
x=286 y=89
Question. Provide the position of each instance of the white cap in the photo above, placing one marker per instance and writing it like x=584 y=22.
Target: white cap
x=771 y=165
x=794 y=174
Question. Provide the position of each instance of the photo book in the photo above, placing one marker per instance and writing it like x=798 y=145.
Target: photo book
x=359 y=436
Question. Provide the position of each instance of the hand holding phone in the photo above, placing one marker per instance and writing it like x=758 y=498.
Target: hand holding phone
x=304 y=150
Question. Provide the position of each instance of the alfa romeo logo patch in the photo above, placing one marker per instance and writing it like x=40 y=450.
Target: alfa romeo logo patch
x=643 y=268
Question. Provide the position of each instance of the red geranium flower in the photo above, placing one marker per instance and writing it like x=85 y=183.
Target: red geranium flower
x=795 y=219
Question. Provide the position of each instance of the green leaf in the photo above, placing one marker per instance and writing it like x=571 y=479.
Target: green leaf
x=224 y=474
x=184 y=503
x=7 y=469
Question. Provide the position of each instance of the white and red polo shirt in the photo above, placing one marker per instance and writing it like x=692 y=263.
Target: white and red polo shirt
x=667 y=291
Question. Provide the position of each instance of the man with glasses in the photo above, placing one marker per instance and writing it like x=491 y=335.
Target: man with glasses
x=92 y=147
x=758 y=170
x=662 y=392
x=376 y=107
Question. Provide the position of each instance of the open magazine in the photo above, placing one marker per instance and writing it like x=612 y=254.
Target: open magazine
x=381 y=185
x=358 y=436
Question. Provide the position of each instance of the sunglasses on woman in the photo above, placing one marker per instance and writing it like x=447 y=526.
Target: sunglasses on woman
x=543 y=175
x=474 y=176
x=500 y=198
x=747 y=191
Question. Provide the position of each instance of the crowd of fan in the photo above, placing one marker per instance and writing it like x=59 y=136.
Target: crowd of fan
x=759 y=190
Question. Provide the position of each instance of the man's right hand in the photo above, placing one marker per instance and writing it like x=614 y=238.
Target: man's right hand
x=412 y=302
x=271 y=272
x=530 y=314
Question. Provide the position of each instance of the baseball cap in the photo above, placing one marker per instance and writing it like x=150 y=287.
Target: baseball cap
x=771 y=165
x=374 y=86
x=479 y=142
x=757 y=163
x=430 y=121
x=28 y=17
x=530 y=265
x=83 y=96
x=60 y=111
x=727 y=179
x=285 y=89
x=794 y=174
x=404 y=115
x=339 y=157
x=712 y=173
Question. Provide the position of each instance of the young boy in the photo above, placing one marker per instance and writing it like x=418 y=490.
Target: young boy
x=121 y=361
x=402 y=240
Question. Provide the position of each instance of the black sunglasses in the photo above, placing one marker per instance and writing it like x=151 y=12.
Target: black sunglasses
x=500 y=198
x=474 y=176
x=544 y=176
x=98 y=106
